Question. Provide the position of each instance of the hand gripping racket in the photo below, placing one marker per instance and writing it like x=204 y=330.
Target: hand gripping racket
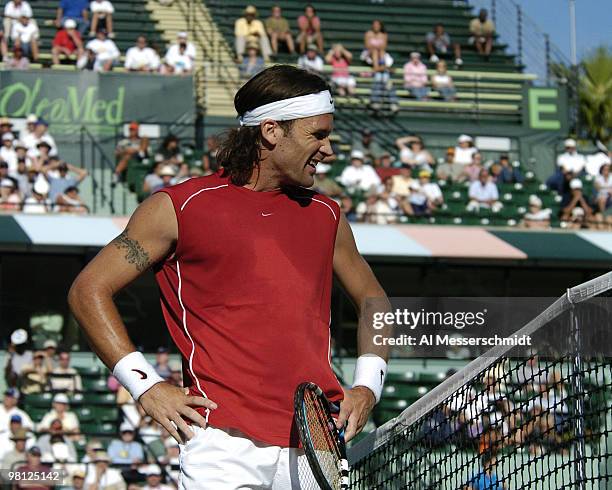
x=323 y=443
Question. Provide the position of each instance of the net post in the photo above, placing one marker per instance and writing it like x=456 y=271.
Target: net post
x=578 y=398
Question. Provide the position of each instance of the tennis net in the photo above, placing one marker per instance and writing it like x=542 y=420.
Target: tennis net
x=510 y=420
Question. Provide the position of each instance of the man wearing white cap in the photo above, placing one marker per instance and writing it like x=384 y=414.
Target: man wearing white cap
x=59 y=411
x=242 y=255
x=67 y=41
x=7 y=152
x=359 y=175
x=183 y=43
x=577 y=211
x=570 y=160
x=13 y=10
x=25 y=34
x=154 y=478
x=323 y=184
x=126 y=450
x=536 y=217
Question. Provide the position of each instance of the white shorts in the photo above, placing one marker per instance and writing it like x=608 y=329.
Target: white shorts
x=225 y=459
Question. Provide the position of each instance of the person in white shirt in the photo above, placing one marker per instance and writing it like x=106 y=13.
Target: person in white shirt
x=8 y=153
x=464 y=150
x=9 y=408
x=40 y=134
x=141 y=57
x=102 y=477
x=70 y=422
x=153 y=473
x=359 y=176
x=31 y=121
x=101 y=10
x=13 y=11
x=603 y=184
x=25 y=35
x=483 y=193
x=536 y=217
x=431 y=190
x=311 y=61
x=183 y=46
x=105 y=51
x=571 y=160
x=178 y=61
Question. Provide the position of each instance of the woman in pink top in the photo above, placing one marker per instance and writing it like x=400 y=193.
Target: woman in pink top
x=415 y=77
x=340 y=58
x=310 y=29
x=375 y=41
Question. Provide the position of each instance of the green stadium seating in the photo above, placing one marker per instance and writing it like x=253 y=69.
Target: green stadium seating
x=99 y=398
x=94 y=384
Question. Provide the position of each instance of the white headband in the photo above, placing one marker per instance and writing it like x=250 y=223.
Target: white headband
x=288 y=109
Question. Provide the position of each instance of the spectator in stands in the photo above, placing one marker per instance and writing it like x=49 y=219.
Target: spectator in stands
x=413 y=152
x=375 y=43
x=101 y=17
x=77 y=480
x=431 y=190
x=77 y=10
x=16 y=456
x=25 y=35
x=67 y=42
x=310 y=29
x=153 y=180
x=253 y=63
x=30 y=127
x=13 y=11
x=368 y=145
x=438 y=43
x=18 y=350
x=22 y=178
x=483 y=194
x=60 y=411
x=63 y=377
x=168 y=177
x=388 y=161
x=162 y=360
x=249 y=29
x=482 y=30
x=346 y=206
x=70 y=201
x=9 y=409
x=278 y=29
x=340 y=58
x=56 y=445
x=105 y=51
x=103 y=477
x=471 y=172
x=380 y=209
x=603 y=186
x=38 y=203
x=575 y=210
x=7 y=151
x=172 y=458
x=6 y=126
x=443 y=82
x=16 y=60
x=508 y=173
x=153 y=476
x=415 y=77
x=178 y=62
x=325 y=185
x=40 y=135
x=170 y=152
x=125 y=450
x=10 y=197
x=183 y=50
x=33 y=466
x=50 y=350
x=416 y=203
x=536 y=217
x=59 y=184
x=383 y=91
x=3 y=43
x=209 y=159
x=6 y=442
x=464 y=150
x=571 y=160
x=359 y=176
x=486 y=477
x=131 y=148
x=141 y=57
x=402 y=181
x=33 y=377
x=311 y=60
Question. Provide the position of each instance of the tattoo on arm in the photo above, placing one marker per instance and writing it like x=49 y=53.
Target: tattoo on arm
x=135 y=254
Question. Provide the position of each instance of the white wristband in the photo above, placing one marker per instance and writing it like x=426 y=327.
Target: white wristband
x=136 y=374
x=370 y=371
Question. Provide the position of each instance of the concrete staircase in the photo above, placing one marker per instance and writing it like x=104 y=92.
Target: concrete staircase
x=217 y=77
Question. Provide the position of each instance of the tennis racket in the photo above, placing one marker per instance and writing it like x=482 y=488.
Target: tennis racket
x=323 y=443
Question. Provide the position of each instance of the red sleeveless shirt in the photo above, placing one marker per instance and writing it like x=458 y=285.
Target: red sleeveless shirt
x=246 y=297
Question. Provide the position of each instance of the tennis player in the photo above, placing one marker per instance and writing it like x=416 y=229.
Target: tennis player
x=244 y=261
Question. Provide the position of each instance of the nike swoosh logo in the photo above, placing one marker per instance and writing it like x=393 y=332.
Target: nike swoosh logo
x=143 y=375
x=267 y=214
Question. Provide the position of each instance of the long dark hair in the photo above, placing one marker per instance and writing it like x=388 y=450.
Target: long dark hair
x=240 y=150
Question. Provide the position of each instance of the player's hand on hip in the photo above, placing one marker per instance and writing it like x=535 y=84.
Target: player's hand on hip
x=355 y=409
x=168 y=405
